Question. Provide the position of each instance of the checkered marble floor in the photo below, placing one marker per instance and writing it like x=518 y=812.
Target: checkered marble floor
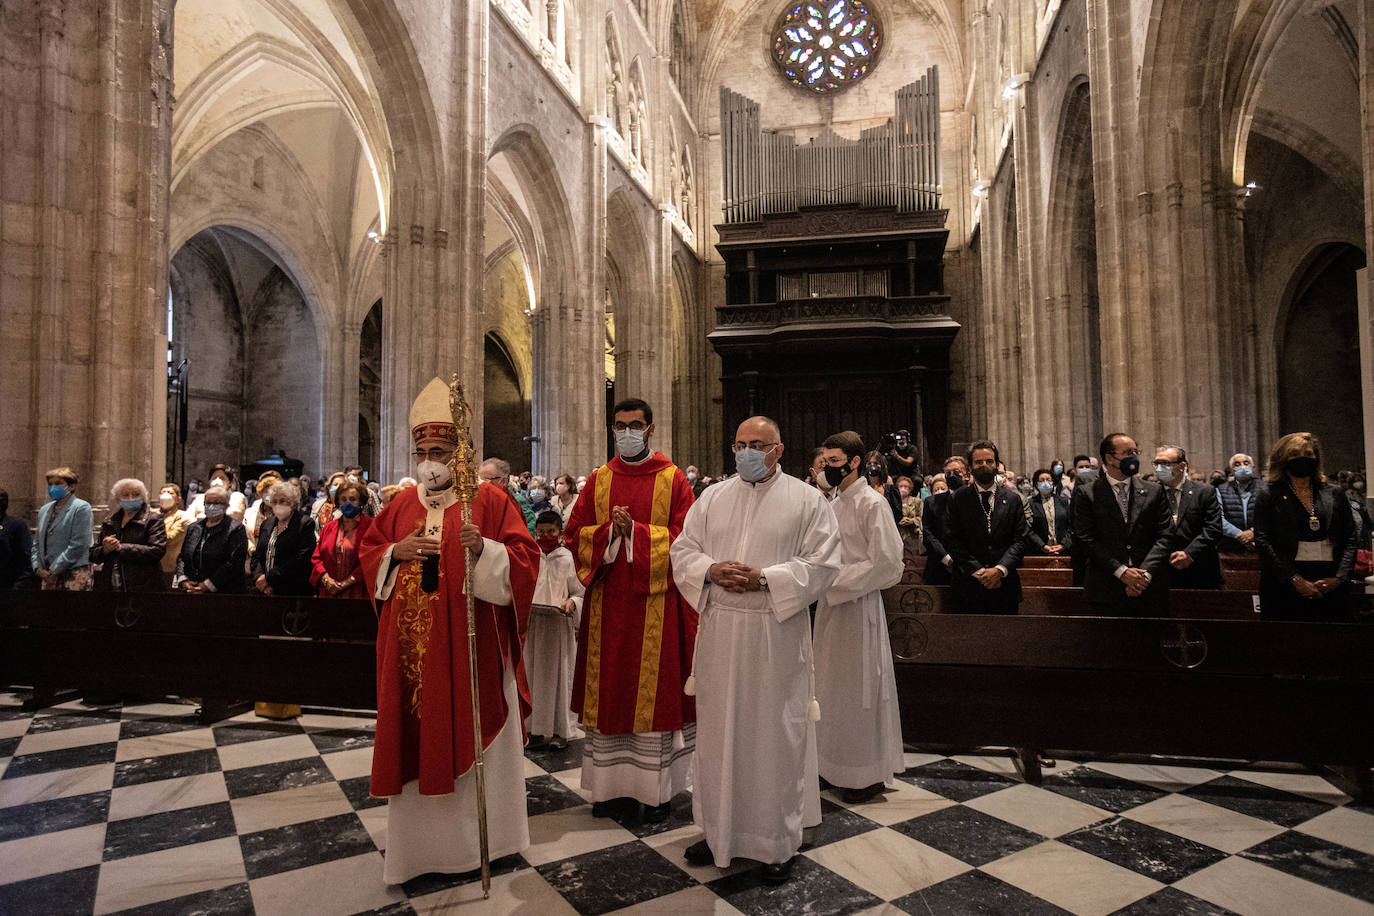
x=139 y=809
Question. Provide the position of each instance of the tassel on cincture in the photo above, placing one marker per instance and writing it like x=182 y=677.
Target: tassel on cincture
x=690 y=688
x=814 y=712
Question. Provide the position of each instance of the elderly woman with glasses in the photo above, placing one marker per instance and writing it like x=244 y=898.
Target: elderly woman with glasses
x=286 y=542
x=215 y=550
x=131 y=543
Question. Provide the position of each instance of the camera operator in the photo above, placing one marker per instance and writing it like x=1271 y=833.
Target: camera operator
x=900 y=454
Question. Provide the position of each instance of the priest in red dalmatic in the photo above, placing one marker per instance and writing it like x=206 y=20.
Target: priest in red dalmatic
x=412 y=559
x=634 y=645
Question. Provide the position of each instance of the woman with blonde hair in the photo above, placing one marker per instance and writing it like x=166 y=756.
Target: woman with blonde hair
x=253 y=518
x=62 y=543
x=1305 y=537
x=335 y=571
x=175 y=519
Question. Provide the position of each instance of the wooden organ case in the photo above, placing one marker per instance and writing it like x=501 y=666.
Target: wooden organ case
x=835 y=315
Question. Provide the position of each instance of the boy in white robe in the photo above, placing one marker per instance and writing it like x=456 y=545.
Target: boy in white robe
x=551 y=642
x=859 y=738
x=754 y=552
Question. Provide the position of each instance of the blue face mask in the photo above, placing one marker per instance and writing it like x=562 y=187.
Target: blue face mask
x=1045 y=487
x=350 y=510
x=214 y=510
x=57 y=491
x=1058 y=469
x=1164 y=473
x=130 y=505
x=1244 y=472
x=332 y=490
x=752 y=464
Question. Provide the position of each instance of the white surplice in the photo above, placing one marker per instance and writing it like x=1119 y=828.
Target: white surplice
x=859 y=737
x=754 y=772
x=551 y=645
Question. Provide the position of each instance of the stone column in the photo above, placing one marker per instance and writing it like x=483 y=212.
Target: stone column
x=83 y=259
x=1366 y=276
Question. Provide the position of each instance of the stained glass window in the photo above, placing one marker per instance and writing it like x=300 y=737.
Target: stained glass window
x=826 y=45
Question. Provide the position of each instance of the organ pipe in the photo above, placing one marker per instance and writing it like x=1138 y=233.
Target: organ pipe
x=894 y=165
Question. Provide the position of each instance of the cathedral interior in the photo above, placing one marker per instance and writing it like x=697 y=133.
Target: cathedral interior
x=243 y=226
x=236 y=228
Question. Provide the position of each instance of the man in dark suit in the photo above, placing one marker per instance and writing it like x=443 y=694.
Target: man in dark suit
x=1121 y=524
x=1051 y=531
x=938 y=560
x=1194 y=523
x=985 y=534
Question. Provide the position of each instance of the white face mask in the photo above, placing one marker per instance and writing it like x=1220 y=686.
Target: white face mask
x=629 y=442
x=282 y=512
x=434 y=474
x=165 y=500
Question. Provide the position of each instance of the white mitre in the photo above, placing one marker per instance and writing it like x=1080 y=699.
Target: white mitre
x=430 y=417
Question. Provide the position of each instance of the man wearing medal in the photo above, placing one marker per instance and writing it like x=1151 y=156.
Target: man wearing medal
x=986 y=535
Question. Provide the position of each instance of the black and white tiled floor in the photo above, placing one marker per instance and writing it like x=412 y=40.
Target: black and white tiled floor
x=140 y=809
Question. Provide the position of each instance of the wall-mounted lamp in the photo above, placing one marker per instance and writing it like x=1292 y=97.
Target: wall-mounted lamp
x=1015 y=83
x=1251 y=187
x=980 y=190
x=374 y=236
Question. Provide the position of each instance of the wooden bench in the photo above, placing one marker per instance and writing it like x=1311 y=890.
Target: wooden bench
x=224 y=649
x=1210 y=681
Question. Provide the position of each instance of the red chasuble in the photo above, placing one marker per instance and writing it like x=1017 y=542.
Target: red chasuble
x=424 y=698
x=634 y=646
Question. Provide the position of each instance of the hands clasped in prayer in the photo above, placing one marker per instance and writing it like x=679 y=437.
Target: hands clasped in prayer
x=417 y=545
x=621 y=521
x=735 y=577
x=991 y=577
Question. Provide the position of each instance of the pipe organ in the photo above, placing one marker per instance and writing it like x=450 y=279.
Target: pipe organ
x=894 y=165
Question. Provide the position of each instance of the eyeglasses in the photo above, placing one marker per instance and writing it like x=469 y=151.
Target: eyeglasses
x=760 y=446
x=434 y=454
x=638 y=426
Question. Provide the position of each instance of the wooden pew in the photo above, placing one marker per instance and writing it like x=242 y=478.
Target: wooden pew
x=221 y=648
x=1211 y=680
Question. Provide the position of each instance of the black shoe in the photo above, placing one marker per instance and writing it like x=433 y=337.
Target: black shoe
x=1046 y=761
x=859 y=796
x=699 y=853
x=825 y=784
x=558 y=743
x=605 y=809
x=536 y=743
x=778 y=873
x=656 y=814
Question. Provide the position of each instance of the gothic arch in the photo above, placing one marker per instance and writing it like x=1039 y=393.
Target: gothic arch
x=1072 y=231
x=1185 y=54
x=717 y=44
x=550 y=218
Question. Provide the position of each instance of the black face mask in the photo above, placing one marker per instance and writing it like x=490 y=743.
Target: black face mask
x=1305 y=466
x=836 y=475
x=954 y=480
x=1130 y=466
x=874 y=471
x=984 y=476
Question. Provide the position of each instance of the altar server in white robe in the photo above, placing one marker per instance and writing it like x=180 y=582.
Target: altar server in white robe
x=551 y=644
x=754 y=553
x=859 y=739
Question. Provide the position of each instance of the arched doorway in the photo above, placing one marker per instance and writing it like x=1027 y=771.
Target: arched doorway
x=505 y=408
x=252 y=356
x=1319 y=357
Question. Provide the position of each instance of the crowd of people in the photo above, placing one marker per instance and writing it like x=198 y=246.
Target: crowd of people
x=726 y=634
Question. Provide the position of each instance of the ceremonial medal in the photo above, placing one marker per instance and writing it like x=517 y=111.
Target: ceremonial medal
x=1314 y=523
